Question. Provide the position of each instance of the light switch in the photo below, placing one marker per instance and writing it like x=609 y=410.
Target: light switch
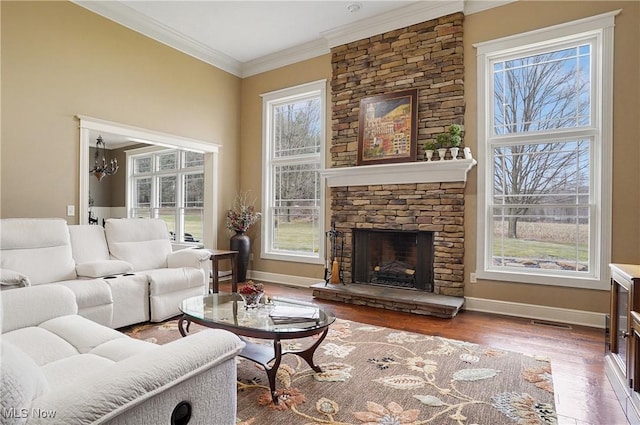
x=71 y=210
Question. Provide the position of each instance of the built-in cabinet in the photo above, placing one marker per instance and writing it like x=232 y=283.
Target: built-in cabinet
x=622 y=356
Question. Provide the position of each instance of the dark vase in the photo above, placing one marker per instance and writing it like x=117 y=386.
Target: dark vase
x=241 y=243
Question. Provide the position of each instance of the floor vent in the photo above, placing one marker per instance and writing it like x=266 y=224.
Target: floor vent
x=551 y=324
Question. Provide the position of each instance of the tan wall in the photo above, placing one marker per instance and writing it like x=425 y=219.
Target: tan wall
x=510 y=19
x=60 y=60
x=251 y=153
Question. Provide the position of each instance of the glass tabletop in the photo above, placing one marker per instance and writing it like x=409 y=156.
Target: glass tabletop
x=279 y=316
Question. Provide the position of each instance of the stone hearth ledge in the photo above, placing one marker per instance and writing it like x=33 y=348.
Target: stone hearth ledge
x=397 y=299
x=400 y=173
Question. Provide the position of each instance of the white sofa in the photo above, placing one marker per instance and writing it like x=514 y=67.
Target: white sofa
x=123 y=274
x=61 y=368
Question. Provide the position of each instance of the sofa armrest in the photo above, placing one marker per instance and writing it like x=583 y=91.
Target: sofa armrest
x=13 y=278
x=94 y=269
x=101 y=396
x=196 y=258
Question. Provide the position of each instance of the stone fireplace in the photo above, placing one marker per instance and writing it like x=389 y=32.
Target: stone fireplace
x=434 y=208
x=416 y=198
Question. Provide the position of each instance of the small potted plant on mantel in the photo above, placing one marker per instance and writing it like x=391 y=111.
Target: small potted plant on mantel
x=429 y=148
x=451 y=139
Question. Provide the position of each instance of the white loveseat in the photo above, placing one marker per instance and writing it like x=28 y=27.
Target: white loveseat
x=61 y=368
x=123 y=274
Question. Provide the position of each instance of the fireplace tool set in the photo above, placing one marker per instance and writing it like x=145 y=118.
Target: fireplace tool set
x=333 y=267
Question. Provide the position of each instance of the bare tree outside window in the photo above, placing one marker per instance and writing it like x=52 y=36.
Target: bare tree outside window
x=296 y=159
x=541 y=181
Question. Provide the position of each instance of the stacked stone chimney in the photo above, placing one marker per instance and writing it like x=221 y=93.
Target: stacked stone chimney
x=428 y=57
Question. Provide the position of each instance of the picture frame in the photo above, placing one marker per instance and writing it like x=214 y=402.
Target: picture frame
x=387 y=128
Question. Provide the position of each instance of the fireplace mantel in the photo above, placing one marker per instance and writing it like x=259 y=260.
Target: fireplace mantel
x=400 y=173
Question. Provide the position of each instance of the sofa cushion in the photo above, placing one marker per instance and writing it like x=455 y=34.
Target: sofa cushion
x=43 y=302
x=84 y=335
x=40 y=345
x=103 y=268
x=68 y=336
x=89 y=293
x=122 y=348
x=88 y=243
x=144 y=243
x=66 y=370
x=37 y=248
x=21 y=380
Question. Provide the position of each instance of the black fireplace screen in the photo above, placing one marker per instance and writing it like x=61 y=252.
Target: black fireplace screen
x=393 y=258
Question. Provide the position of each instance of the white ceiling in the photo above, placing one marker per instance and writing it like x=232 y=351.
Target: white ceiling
x=249 y=37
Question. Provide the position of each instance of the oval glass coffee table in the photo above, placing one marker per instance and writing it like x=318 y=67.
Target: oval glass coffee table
x=278 y=320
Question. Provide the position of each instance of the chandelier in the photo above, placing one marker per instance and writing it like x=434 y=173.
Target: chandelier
x=100 y=169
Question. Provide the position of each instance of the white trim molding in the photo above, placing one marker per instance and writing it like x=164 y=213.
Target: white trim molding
x=400 y=173
x=284 y=279
x=89 y=126
x=598 y=32
x=130 y=18
x=505 y=308
x=270 y=162
x=412 y=14
x=540 y=312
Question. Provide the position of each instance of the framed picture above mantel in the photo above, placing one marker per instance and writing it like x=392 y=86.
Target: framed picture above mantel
x=388 y=130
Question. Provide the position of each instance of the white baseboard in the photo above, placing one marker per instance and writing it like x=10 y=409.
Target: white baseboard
x=303 y=282
x=528 y=311
x=540 y=312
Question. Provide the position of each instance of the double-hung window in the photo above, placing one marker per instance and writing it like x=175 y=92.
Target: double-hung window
x=169 y=184
x=292 y=193
x=544 y=141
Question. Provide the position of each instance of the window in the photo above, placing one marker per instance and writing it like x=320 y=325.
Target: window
x=169 y=184
x=293 y=133
x=544 y=141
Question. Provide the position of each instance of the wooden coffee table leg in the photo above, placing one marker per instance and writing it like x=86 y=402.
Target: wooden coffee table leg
x=307 y=354
x=184 y=330
x=273 y=370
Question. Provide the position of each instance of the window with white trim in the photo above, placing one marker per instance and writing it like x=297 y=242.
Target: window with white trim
x=544 y=142
x=169 y=184
x=292 y=193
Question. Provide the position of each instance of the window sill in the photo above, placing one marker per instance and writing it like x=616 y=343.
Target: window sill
x=292 y=258
x=586 y=282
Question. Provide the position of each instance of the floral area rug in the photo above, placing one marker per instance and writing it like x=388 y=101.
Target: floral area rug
x=375 y=375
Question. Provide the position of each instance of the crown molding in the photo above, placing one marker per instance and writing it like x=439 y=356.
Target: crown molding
x=285 y=57
x=409 y=15
x=399 y=18
x=136 y=21
x=475 y=6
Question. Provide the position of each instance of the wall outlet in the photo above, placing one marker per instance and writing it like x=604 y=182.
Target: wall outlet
x=472 y=278
x=71 y=210
x=251 y=257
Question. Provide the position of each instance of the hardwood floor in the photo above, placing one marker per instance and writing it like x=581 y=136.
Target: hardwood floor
x=582 y=391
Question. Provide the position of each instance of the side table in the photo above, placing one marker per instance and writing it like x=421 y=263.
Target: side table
x=216 y=256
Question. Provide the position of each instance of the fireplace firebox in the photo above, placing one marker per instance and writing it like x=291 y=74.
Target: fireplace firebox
x=393 y=258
